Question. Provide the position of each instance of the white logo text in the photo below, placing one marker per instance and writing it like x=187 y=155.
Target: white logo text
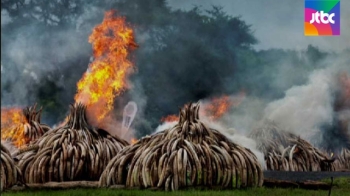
x=320 y=18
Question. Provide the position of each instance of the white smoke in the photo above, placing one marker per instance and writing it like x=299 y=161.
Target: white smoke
x=239 y=139
x=305 y=108
x=165 y=126
x=244 y=117
x=251 y=145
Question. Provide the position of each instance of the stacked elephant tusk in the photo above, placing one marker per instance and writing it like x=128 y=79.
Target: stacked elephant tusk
x=34 y=129
x=285 y=151
x=10 y=173
x=188 y=155
x=73 y=151
x=342 y=160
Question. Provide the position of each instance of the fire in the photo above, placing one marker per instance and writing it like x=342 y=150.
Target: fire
x=215 y=108
x=219 y=106
x=107 y=75
x=12 y=125
x=133 y=140
x=170 y=118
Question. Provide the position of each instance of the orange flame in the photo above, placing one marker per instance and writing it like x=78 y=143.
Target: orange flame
x=107 y=75
x=170 y=118
x=216 y=107
x=12 y=126
x=219 y=106
x=133 y=140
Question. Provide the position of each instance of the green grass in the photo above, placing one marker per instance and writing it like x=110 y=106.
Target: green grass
x=341 y=187
x=110 y=192
x=339 y=182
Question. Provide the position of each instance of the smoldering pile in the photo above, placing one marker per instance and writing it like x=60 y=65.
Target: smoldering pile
x=73 y=151
x=10 y=173
x=284 y=151
x=190 y=154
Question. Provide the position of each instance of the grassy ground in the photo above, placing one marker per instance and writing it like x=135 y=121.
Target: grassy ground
x=109 y=192
x=341 y=187
x=102 y=192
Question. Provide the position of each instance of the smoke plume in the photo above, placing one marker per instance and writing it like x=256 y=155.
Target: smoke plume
x=186 y=55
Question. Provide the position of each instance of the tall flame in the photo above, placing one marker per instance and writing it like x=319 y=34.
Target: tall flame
x=12 y=125
x=107 y=75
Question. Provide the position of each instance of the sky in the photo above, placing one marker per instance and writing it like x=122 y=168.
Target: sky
x=278 y=23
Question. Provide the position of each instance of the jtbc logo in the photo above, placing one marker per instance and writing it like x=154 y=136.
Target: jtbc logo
x=317 y=16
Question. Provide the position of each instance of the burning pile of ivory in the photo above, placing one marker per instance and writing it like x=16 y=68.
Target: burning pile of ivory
x=10 y=173
x=285 y=151
x=34 y=129
x=73 y=151
x=190 y=154
x=25 y=127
